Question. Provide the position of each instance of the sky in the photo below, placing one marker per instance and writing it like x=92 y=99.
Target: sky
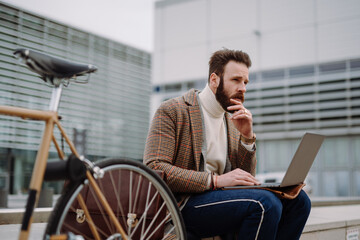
x=127 y=21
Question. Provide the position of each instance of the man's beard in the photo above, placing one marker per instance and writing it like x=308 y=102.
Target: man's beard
x=223 y=98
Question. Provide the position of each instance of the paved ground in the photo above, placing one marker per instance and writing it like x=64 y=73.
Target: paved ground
x=322 y=218
x=11 y=231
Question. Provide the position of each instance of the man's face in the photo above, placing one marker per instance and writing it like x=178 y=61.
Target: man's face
x=232 y=84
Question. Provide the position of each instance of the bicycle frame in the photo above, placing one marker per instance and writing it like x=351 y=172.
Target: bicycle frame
x=51 y=118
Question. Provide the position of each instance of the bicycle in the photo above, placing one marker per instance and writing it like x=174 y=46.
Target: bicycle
x=109 y=199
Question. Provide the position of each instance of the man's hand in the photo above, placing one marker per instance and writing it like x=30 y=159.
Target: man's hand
x=242 y=118
x=236 y=177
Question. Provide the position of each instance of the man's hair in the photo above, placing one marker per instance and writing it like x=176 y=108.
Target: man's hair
x=221 y=57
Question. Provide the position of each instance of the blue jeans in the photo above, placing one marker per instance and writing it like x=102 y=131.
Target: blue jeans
x=245 y=213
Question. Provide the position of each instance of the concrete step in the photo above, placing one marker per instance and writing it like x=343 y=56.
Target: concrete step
x=333 y=223
x=14 y=216
x=11 y=231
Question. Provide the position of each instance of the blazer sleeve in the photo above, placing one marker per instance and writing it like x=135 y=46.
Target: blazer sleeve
x=239 y=156
x=160 y=153
x=247 y=159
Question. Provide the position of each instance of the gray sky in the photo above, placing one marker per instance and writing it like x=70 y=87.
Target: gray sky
x=126 y=21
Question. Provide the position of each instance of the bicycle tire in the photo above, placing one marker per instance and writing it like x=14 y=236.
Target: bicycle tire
x=139 y=175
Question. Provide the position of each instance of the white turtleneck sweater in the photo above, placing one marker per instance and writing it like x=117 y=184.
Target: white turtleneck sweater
x=215 y=132
x=215 y=151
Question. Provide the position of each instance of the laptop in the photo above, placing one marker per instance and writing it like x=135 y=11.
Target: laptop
x=300 y=164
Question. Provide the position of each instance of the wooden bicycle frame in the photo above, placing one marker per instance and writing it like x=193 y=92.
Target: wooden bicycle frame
x=51 y=118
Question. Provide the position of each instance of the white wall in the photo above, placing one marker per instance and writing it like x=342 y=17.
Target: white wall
x=180 y=43
x=276 y=33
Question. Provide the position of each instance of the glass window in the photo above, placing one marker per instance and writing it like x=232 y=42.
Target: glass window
x=156 y=89
x=190 y=85
x=355 y=64
x=336 y=184
x=312 y=184
x=336 y=152
x=301 y=71
x=357 y=183
x=273 y=74
x=332 y=67
x=276 y=156
x=172 y=87
x=252 y=77
x=356 y=150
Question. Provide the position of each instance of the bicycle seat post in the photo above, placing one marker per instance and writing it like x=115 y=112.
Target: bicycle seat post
x=55 y=98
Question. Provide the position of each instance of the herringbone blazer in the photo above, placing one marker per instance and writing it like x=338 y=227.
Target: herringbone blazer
x=174 y=145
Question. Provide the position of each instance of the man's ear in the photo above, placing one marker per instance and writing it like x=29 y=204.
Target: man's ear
x=214 y=82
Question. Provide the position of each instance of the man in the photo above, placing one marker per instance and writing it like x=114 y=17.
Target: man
x=204 y=141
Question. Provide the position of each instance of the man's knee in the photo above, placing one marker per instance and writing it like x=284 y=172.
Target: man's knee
x=304 y=202
x=272 y=205
x=265 y=204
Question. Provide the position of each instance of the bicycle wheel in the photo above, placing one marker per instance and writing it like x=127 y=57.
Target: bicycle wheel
x=140 y=199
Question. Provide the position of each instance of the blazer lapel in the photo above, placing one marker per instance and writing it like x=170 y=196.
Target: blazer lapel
x=232 y=138
x=195 y=125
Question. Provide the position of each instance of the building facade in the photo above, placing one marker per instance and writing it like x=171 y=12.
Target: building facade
x=105 y=116
x=305 y=75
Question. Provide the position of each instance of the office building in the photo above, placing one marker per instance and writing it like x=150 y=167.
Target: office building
x=108 y=116
x=305 y=75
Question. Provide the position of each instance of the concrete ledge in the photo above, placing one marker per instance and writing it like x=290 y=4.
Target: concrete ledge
x=332 y=223
x=334 y=201
x=14 y=216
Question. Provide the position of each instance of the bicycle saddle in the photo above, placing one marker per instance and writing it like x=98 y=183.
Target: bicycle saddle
x=50 y=67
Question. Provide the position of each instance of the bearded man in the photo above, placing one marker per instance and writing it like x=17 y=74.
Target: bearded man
x=204 y=141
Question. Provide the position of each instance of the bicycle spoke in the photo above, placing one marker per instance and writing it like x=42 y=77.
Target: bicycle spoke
x=146 y=204
x=98 y=204
x=137 y=192
x=130 y=200
x=169 y=232
x=143 y=217
x=153 y=221
x=87 y=221
x=130 y=188
x=117 y=195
